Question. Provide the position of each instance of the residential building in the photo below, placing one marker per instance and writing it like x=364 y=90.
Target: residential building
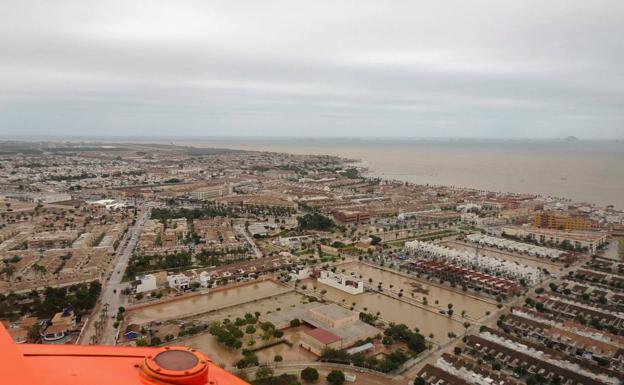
x=552 y=220
x=346 y=216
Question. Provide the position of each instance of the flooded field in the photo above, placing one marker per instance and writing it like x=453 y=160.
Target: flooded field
x=264 y=305
x=393 y=310
x=475 y=308
x=222 y=355
x=289 y=353
x=214 y=300
x=506 y=255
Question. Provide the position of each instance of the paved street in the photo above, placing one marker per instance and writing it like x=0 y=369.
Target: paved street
x=112 y=288
x=240 y=232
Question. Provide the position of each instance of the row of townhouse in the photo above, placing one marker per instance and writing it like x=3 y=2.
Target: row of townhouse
x=466 y=277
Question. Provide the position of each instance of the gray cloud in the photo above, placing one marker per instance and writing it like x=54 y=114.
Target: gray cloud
x=350 y=68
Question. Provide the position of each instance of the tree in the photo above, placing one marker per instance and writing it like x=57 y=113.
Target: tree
x=33 y=331
x=420 y=381
x=264 y=373
x=309 y=374
x=336 y=377
x=278 y=358
x=295 y=322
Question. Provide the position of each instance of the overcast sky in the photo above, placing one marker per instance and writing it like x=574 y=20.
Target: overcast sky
x=313 y=68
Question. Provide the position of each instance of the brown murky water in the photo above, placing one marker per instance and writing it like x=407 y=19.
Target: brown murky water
x=264 y=305
x=556 y=168
x=393 y=310
x=475 y=308
x=228 y=357
x=205 y=303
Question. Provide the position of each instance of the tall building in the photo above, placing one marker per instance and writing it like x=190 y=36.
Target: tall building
x=551 y=220
x=346 y=216
x=211 y=192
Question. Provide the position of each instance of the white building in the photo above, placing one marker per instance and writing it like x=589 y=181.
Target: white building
x=296 y=242
x=47 y=197
x=342 y=282
x=475 y=261
x=510 y=245
x=204 y=279
x=179 y=282
x=148 y=283
x=299 y=273
x=211 y=192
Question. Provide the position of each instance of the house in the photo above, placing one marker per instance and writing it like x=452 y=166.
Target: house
x=133 y=331
x=147 y=283
x=65 y=318
x=179 y=282
x=204 y=279
x=317 y=339
x=342 y=282
x=55 y=333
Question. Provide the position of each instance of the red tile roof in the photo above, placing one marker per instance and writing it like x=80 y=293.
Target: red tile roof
x=323 y=336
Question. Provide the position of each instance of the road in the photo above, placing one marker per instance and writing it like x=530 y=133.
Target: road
x=363 y=377
x=241 y=233
x=112 y=288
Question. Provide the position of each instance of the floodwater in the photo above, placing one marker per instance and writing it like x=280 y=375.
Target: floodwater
x=393 y=310
x=289 y=353
x=547 y=167
x=217 y=299
x=475 y=308
x=264 y=305
x=225 y=356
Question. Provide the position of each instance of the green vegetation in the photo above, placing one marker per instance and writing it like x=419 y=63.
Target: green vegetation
x=391 y=361
x=249 y=359
x=228 y=334
x=335 y=377
x=283 y=379
x=415 y=341
x=309 y=374
x=264 y=372
x=142 y=263
x=315 y=221
x=215 y=209
x=182 y=260
x=351 y=173
x=369 y=318
x=81 y=298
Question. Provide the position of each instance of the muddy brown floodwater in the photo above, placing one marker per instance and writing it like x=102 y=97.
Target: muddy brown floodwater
x=475 y=307
x=217 y=299
x=223 y=355
x=425 y=318
x=393 y=310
